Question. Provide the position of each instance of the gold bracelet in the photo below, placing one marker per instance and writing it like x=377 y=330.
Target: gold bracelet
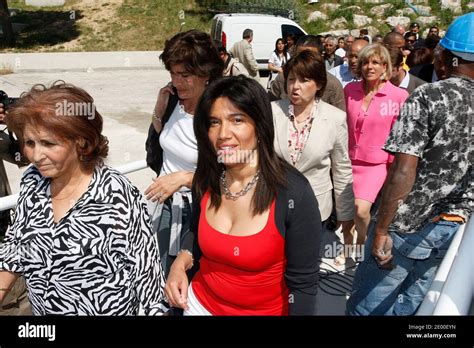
x=154 y=117
x=186 y=251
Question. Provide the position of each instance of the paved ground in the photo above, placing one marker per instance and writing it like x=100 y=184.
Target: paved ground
x=125 y=99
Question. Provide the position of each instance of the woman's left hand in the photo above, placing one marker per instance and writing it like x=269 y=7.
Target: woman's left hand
x=164 y=186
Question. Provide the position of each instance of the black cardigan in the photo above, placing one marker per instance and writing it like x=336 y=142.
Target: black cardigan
x=299 y=222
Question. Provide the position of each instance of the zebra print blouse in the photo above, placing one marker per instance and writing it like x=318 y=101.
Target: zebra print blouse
x=100 y=259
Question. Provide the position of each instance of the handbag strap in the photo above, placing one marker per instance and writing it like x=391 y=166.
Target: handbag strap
x=154 y=152
x=172 y=101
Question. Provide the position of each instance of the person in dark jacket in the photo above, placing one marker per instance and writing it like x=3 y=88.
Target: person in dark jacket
x=400 y=77
x=431 y=72
x=256 y=226
x=330 y=58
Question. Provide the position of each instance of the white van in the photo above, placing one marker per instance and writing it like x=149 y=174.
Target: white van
x=229 y=27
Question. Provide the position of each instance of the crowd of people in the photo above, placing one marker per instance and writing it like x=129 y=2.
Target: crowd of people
x=417 y=53
x=247 y=180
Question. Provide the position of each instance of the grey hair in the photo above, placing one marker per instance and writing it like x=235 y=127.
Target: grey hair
x=248 y=33
x=332 y=38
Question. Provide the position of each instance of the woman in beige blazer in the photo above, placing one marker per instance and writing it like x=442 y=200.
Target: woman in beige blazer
x=312 y=136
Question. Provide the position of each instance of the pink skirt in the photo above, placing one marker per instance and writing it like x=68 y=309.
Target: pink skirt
x=368 y=179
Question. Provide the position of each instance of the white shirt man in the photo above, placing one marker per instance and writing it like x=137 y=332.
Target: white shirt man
x=345 y=73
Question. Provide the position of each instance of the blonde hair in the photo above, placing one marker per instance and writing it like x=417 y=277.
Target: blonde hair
x=370 y=51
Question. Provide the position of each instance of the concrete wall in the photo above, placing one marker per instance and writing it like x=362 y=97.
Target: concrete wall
x=41 y=3
x=80 y=61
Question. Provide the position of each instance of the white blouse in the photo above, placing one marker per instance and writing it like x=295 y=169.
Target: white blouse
x=278 y=61
x=179 y=143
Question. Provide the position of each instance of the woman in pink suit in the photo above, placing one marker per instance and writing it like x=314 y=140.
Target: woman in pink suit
x=372 y=104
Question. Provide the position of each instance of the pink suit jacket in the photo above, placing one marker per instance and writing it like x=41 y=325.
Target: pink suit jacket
x=367 y=140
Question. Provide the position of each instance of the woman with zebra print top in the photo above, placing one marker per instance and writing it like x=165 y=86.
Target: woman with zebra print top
x=81 y=235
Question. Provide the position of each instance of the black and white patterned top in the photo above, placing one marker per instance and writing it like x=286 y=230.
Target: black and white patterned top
x=99 y=259
x=436 y=124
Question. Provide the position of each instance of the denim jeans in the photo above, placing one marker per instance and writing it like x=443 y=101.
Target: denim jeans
x=164 y=232
x=400 y=291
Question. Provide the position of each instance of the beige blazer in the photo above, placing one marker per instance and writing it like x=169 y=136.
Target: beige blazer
x=333 y=93
x=235 y=68
x=326 y=151
x=242 y=50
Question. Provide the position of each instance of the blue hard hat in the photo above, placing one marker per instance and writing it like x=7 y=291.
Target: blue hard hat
x=460 y=36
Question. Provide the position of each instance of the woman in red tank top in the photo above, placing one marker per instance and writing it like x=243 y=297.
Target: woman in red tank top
x=256 y=225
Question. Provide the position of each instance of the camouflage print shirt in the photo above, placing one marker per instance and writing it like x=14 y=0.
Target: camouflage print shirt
x=436 y=125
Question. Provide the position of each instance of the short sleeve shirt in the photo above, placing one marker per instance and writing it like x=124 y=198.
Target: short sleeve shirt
x=436 y=125
x=278 y=61
x=99 y=259
x=179 y=143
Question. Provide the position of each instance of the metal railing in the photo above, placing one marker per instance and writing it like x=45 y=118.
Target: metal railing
x=9 y=202
x=452 y=290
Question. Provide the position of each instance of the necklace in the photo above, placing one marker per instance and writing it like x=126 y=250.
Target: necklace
x=235 y=196
x=299 y=136
x=305 y=120
x=307 y=117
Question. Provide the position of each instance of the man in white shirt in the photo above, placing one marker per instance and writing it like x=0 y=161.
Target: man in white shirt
x=345 y=73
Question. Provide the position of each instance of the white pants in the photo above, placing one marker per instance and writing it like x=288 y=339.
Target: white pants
x=195 y=307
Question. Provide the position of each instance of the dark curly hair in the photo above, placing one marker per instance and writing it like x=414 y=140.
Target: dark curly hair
x=196 y=51
x=67 y=111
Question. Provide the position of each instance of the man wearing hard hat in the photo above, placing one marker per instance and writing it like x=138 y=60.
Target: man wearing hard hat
x=428 y=192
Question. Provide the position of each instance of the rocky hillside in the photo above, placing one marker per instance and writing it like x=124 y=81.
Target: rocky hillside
x=131 y=25
x=344 y=17
x=103 y=25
